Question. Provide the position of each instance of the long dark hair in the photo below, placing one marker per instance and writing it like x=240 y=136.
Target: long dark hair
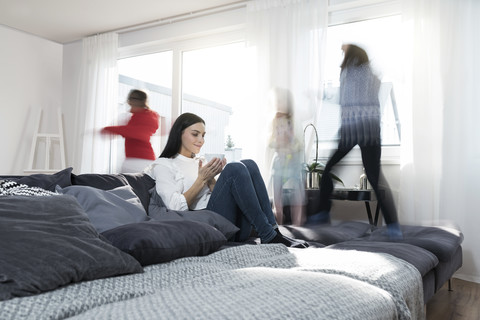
x=354 y=55
x=174 y=142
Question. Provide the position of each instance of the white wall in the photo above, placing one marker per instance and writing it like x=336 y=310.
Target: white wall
x=30 y=79
x=72 y=58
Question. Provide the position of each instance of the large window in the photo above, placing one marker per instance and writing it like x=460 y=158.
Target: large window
x=381 y=38
x=153 y=74
x=209 y=75
x=213 y=84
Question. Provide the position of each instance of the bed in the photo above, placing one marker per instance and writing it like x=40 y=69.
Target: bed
x=101 y=247
x=242 y=282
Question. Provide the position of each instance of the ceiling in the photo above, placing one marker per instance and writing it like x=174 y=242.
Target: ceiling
x=65 y=21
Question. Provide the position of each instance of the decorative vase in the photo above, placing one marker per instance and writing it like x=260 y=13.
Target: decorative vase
x=313 y=180
x=363 y=181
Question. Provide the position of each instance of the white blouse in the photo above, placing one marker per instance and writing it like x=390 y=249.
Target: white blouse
x=175 y=176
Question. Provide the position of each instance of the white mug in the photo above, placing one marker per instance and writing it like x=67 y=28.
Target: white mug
x=210 y=156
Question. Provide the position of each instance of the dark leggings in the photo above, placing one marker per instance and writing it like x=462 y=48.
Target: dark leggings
x=371 y=162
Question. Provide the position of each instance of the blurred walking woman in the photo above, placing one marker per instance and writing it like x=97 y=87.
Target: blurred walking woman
x=185 y=182
x=360 y=125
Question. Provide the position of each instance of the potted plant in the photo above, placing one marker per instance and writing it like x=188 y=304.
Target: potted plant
x=313 y=174
x=314 y=170
x=229 y=144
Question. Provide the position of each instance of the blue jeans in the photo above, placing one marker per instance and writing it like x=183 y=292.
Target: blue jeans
x=241 y=197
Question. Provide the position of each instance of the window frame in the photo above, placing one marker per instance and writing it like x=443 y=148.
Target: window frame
x=178 y=47
x=350 y=11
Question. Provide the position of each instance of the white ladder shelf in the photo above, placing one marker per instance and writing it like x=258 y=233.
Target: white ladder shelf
x=49 y=138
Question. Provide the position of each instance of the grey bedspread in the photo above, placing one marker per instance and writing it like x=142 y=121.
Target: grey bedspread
x=243 y=282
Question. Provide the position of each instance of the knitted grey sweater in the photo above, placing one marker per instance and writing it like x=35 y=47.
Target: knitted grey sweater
x=360 y=116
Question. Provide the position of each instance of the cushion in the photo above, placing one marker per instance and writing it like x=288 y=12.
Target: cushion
x=99 y=181
x=47 y=181
x=158 y=211
x=13 y=188
x=108 y=209
x=325 y=233
x=442 y=241
x=141 y=183
x=422 y=259
x=48 y=242
x=153 y=242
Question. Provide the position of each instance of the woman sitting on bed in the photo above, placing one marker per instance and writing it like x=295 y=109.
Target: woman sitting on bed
x=184 y=182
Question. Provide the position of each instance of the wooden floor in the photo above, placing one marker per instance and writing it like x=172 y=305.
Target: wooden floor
x=463 y=303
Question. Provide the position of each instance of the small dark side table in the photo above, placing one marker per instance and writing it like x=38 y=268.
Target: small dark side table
x=347 y=194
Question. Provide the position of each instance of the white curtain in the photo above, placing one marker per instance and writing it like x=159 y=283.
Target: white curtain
x=96 y=103
x=289 y=38
x=440 y=170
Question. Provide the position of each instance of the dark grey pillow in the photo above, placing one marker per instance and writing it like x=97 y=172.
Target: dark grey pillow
x=48 y=242
x=153 y=242
x=108 y=209
x=47 y=181
x=159 y=212
x=141 y=183
x=99 y=181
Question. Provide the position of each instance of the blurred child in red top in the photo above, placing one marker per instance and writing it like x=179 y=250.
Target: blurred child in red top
x=137 y=132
